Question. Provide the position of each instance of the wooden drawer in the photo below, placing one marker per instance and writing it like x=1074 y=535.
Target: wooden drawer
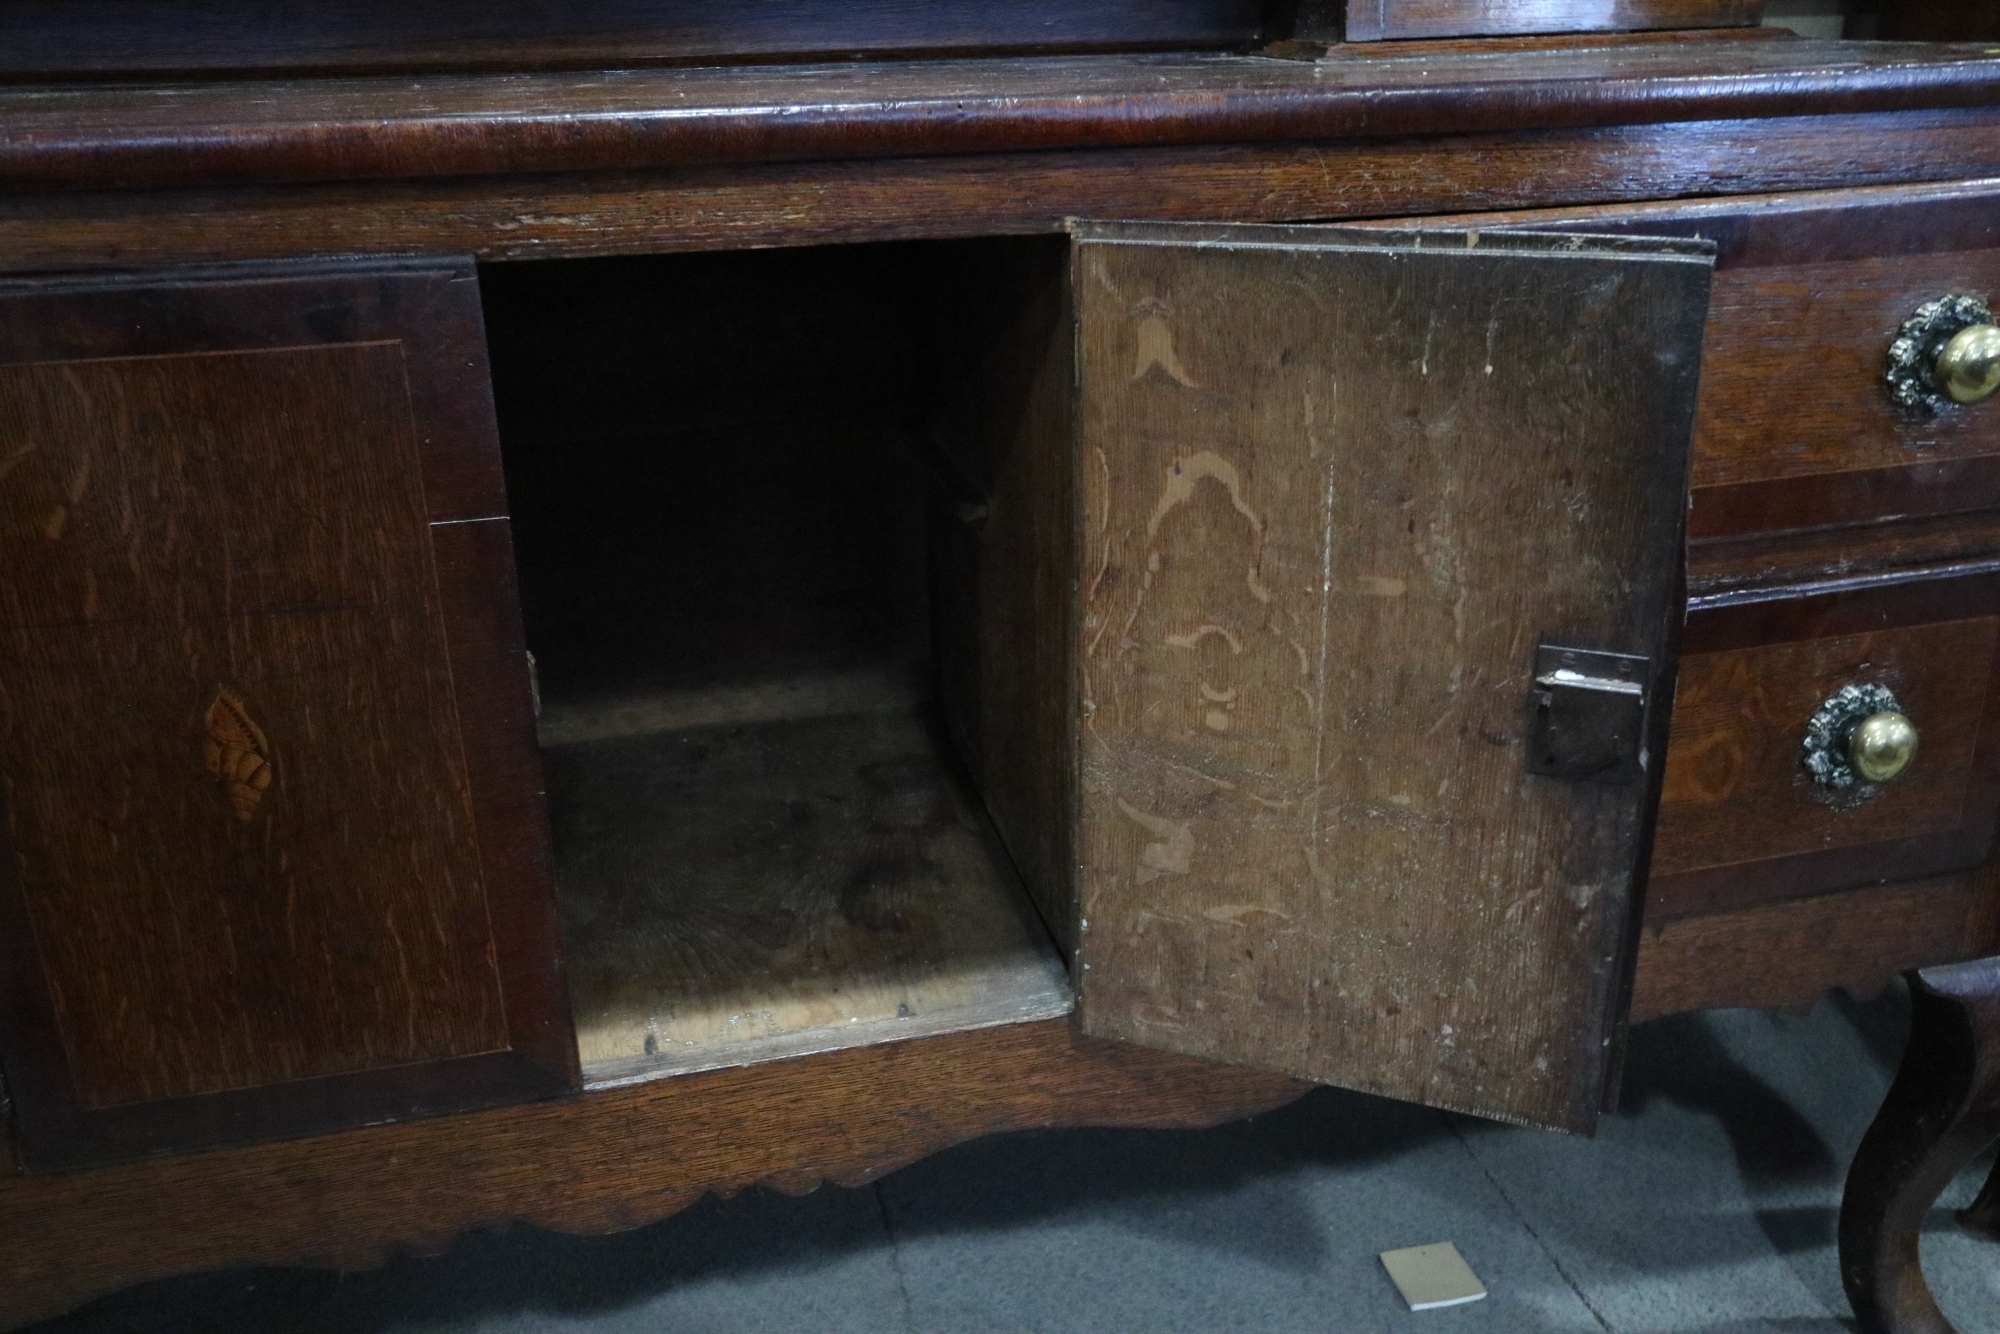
x=1796 y=427
x=1742 y=821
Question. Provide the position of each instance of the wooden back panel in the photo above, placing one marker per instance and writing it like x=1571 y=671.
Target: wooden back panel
x=276 y=859
x=1334 y=488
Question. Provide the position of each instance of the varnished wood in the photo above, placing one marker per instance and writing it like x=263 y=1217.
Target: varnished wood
x=50 y=41
x=635 y=181
x=1304 y=677
x=229 y=616
x=1824 y=328
x=1941 y=1112
x=1786 y=955
x=602 y=1162
x=1737 y=803
x=1762 y=560
x=92 y=137
x=1758 y=664
x=1376 y=20
x=809 y=203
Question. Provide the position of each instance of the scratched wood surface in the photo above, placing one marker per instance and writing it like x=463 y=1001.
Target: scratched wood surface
x=749 y=890
x=246 y=848
x=1333 y=491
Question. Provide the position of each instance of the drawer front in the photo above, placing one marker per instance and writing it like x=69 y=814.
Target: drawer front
x=1796 y=426
x=1743 y=820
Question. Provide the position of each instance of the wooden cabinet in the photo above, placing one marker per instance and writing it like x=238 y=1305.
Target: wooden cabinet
x=992 y=675
x=277 y=857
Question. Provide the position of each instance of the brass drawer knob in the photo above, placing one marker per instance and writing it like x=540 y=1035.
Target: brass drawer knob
x=1882 y=745
x=1859 y=737
x=1946 y=354
x=1969 y=366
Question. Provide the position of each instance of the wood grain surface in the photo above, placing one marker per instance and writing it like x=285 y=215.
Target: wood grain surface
x=160 y=897
x=1787 y=955
x=1375 y=20
x=1753 y=561
x=749 y=890
x=1315 y=567
x=782 y=204
x=351 y=1200
x=1739 y=823
x=115 y=135
x=1737 y=792
x=1823 y=329
x=238 y=672
x=1004 y=547
x=602 y=1162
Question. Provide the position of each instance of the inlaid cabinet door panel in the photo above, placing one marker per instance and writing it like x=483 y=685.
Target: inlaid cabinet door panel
x=276 y=859
x=1341 y=806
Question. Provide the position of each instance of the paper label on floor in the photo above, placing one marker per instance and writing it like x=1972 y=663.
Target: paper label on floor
x=1432 y=1276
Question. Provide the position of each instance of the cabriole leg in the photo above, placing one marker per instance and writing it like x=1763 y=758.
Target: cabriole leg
x=1942 y=1110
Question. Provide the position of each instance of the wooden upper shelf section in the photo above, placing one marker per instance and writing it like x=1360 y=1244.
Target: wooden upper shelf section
x=372 y=128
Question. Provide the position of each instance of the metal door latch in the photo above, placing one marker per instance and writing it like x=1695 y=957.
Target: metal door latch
x=1590 y=714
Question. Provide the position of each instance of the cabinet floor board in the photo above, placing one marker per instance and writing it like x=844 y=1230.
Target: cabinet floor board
x=753 y=890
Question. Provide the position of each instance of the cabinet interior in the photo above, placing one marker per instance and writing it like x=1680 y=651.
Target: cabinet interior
x=723 y=499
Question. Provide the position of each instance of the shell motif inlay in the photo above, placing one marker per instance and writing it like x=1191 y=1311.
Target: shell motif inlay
x=238 y=755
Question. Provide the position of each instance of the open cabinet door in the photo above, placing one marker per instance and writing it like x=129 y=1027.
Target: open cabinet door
x=275 y=858
x=1309 y=629
x=1380 y=538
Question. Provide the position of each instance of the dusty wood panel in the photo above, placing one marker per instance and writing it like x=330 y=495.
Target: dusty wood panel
x=1334 y=489
x=248 y=871
x=1004 y=548
x=1375 y=20
x=603 y=1162
x=809 y=203
x=51 y=40
x=754 y=890
x=1786 y=955
x=344 y=129
x=1741 y=822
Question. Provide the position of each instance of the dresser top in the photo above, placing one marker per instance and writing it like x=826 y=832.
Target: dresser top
x=136 y=135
